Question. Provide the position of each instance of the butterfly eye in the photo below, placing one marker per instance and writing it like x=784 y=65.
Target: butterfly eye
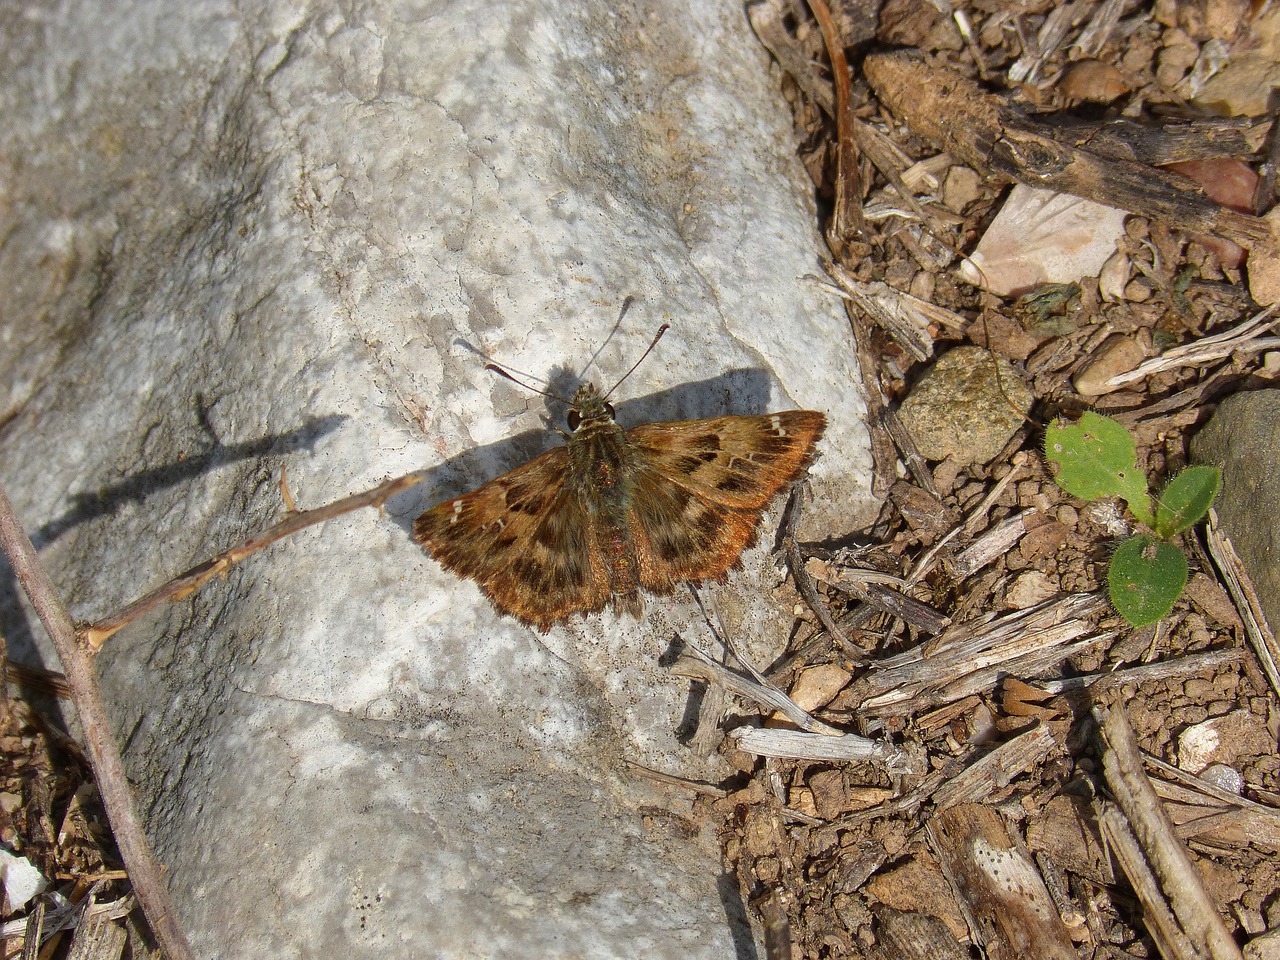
x=575 y=419
x=608 y=409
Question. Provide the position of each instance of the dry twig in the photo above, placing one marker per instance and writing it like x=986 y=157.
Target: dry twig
x=144 y=871
x=976 y=127
x=96 y=634
x=846 y=218
x=969 y=657
x=1246 y=337
x=1240 y=586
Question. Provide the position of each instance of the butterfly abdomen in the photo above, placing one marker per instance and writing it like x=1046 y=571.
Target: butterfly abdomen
x=602 y=472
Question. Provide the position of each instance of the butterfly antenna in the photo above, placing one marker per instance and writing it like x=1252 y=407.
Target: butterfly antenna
x=626 y=305
x=503 y=373
x=656 y=337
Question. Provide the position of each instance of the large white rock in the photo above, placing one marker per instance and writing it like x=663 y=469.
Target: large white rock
x=236 y=237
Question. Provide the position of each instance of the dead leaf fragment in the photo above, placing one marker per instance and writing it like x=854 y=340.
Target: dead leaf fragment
x=1093 y=81
x=1040 y=237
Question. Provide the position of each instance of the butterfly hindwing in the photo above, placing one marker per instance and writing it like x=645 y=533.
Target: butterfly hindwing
x=526 y=540
x=680 y=536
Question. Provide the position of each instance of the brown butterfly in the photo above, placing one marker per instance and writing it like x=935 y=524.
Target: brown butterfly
x=617 y=511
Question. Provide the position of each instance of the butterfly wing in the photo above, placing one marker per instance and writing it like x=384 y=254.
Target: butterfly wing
x=526 y=539
x=701 y=486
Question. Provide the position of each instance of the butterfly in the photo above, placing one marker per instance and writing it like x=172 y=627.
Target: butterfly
x=618 y=511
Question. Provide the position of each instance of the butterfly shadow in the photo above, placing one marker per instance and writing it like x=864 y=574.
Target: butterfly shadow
x=740 y=392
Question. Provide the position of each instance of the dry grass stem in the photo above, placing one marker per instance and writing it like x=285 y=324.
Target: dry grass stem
x=695 y=664
x=1178 y=880
x=966 y=657
x=1246 y=337
x=1240 y=585
x=995 y=770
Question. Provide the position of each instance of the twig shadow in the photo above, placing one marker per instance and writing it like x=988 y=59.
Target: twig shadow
x=135 y=488
x=138 y=486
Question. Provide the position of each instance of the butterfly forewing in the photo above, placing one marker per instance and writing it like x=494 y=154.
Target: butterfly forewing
x=740 y=462
x=701 y=486
x=526 y=540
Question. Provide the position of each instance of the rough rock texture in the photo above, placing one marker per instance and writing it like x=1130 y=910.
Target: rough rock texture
x=962 y=409
x=1243 y=439
x=238 y=237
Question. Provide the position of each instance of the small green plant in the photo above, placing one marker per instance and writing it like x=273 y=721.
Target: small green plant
x=1097 y=458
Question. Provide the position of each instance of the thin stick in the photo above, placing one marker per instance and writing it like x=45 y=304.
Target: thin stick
x=108 y=768
x=94 y=635
x=846 y=217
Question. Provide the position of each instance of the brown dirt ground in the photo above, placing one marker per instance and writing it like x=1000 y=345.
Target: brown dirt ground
x=824 y=842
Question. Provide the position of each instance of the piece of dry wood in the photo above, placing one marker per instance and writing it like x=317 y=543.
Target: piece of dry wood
x=1099 y=29
x=48 y=916
x=1245 y=822
x=998 y=881
x=767 y=18
x=1192 y=665
x=804 y=583
x=907 y=805
x=98 y=938
x=108 y=768
x=993 y=544
x=979 y=129
x=1167 y=857
x=846 y=216
x=32 y=932
x=878 y=590
x=1170 y=142
x=1066 y=832
x=1245 y=337
x=970 y=657
x=915 y=936
x=899 y=198
x=1159 y=920
x=680 y=783
x=798 y=745
x=777 y=927
x=1046 y=42
x=940 y=516
x=973 y=522
x=695 y=664
x=993 y=772
x=904 y=317
x=1240 y=586
x=1074 y=920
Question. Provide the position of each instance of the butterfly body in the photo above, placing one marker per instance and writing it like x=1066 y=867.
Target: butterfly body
x=619 y=511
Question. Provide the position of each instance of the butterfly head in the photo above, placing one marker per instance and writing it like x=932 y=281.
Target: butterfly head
x=589 y=407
